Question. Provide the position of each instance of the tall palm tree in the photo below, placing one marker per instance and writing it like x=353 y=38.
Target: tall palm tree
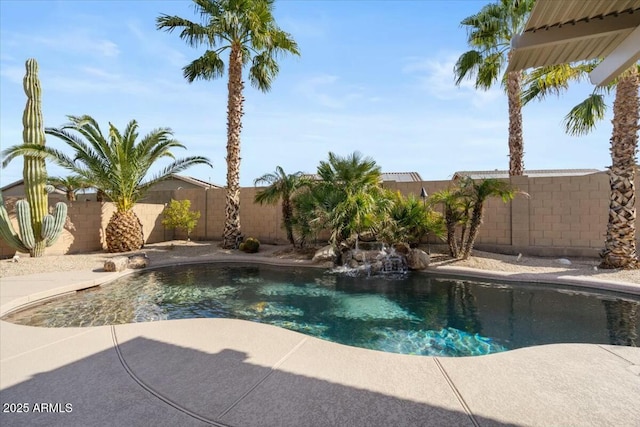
x=281 y=186
x=69 y=184
x=620 y=249
x=249 y=31
x=489 y=34
x=116 y=165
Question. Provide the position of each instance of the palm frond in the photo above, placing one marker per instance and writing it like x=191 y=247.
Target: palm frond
x=194 y=34
x=553 y=80
x=208 y=67
x=467 y=65
x=583 y=118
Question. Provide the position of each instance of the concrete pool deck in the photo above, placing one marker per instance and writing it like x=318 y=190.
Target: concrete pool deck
x=237 y=373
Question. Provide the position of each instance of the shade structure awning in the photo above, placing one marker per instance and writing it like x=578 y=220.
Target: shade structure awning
x=566 y=31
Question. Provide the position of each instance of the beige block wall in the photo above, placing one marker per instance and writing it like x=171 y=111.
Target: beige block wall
x=562 y=215
x=85 y=227
x=571 y=211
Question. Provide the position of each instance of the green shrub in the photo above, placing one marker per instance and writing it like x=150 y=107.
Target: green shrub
x=178 y=215
x=250 y=246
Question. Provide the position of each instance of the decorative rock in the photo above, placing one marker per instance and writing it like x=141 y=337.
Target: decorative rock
x=402 y=248
x=117 y=263
x=563 y=261
x=325 y=254
x=418 y=259
x=138 y=261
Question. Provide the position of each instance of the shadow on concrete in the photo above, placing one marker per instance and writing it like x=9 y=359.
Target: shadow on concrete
x=162 y=384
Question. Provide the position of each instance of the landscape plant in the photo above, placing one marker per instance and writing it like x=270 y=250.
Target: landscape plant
x=248 y=30
x=456 y=216
x=117 y=166
x=70 y=185
x=348 y=199
x=478 y=192
x=250 y=246
x=281 y=186
x=464 y=204
x=178 y=214
x=410 y=220
x=489 y=34
x=620 y=247
x=37 y=228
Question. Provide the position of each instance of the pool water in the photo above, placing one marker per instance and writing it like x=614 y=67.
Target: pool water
x=415 y=314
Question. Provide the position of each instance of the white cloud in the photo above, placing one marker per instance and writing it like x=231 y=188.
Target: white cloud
x=326 y=90
x=12 y=73
x=155 y=47
x=435 y=75
x=76 y=41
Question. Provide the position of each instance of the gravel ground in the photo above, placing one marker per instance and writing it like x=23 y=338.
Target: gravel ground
x=177 y=250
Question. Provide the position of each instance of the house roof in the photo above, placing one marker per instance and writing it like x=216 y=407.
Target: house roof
x=21 y=182
x=566 y=31
x=386 y=176
x=401 y=176
x=13 y=184
x=188 y=179
x=194 y=181
x=533 y=173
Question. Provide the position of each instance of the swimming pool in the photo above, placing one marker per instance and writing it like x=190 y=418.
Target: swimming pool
x=416 y=314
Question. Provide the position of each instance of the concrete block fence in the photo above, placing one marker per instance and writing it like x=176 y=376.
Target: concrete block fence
x=563 y=216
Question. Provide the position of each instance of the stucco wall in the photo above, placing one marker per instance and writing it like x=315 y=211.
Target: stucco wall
x=561 y=216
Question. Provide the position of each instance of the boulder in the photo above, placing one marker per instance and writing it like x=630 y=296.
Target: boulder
x=325 y=254
x=402 y=248
x=117 y=263
x=138 y=261
x=418 y=259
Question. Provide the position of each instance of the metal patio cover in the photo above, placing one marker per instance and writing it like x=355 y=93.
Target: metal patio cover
x=563 y=31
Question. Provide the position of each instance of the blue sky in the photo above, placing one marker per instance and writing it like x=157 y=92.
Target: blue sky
x=374 y=76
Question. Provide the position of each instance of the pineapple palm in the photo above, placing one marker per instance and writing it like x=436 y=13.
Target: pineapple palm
x=247 y=29
x=489 y=36
x=116 y=166
x=620 y=249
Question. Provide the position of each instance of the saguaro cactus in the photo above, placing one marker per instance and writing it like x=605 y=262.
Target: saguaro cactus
x=38 y=229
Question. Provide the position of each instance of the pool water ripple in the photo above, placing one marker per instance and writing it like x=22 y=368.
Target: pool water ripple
x=417 y=314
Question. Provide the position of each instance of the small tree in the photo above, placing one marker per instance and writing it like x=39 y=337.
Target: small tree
x=464 y=209
x=178 y=214
x=281 y=186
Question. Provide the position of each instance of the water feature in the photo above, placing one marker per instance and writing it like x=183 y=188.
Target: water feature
x=372 y=258
x=416 y=313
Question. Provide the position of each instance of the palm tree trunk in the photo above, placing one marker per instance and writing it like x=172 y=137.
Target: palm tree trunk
x=476 y=220
x=620 y=244
x=463 y=232
x=287 y=219
x=234 y=126
x=451 y=234
x=516 y=144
